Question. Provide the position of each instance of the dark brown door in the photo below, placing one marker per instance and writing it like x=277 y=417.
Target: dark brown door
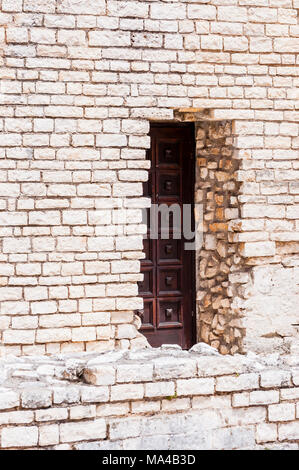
x=168 y=286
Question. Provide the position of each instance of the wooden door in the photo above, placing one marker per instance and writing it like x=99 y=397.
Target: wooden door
x=168 y=286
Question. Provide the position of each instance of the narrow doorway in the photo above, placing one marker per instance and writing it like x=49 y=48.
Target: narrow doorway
x=168 y=288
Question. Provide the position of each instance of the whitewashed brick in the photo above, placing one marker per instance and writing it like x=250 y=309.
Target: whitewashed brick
x=9 y=400
x=159 y=389
x=19 y=436
x=94 y=394
x=49 y=435
x=266 y=433
x=72 y=432
x=134 y=373
x=282 y=412
x=195 y=387
x=127 y=392
x=241 y=382
x=275 y=378
x=288 y=431
x=263 y=397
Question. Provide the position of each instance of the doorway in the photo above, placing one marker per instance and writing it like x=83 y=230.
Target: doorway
x=168 y=288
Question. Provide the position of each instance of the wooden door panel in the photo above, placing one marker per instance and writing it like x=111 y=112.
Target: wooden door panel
x=148 y=315
x=169 y=281
x=168 y=286
x=147 y=287
x=169 y=185
x=169 y=251
x=170 y=312
x=149 y=251
x=168 y=152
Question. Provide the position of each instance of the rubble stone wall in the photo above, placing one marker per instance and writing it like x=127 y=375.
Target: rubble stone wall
x=218 y=259
x=150 y=399
x=80 y=82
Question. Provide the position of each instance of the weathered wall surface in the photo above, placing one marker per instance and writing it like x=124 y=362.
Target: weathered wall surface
x=217 y=189
x=154 y=399
x=80 y=82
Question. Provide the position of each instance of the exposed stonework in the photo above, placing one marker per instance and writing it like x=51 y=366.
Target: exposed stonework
x=80 y=82
x=217 y=190
x=155 y=399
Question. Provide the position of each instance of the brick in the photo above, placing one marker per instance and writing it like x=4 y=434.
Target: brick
x=266 y=433
x=9 y=400
x=226 y=13
x=288 y=431
x=258 y=249
x=240 y=399
x=211 y=402
x=116 y=409
x=243 y=416
x=36 y=398
x=9 y=189
x=167 y=368
x=134 y=373
x=111 y=38
x=82 y=412
x=65 y=395
x=39 y=6
x=289 y=394
x=282 y=412
x=288 y=45
x=16 y=245
x=16 y=417
x=53 y=335
x=275 y=378
x=83 y=334
x=125 y=428
x=211 y=42
x=84 y=7
x=145 y=406
x=263 y=397
x=125 y=9
x=12 y=5
x=159 y=389
x=236 y=383
x=18 y=336
x=94 y=394
x=127 y=392
x=196 y=387
x=19 y=436
x=71 y=244
x=178 y=404
x=171 y=12
x=73 y=432
x=13 y=218
x=52 y=414
x=44 y=218
x=10 y=293
x=49 y=435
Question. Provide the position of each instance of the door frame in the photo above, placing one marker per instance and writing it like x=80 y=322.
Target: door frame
x=191 y=178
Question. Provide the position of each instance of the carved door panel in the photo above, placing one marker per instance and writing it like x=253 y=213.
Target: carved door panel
x=168 y=286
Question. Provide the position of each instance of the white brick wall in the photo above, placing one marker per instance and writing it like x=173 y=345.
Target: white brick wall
x=254 y=408
x=79 y=83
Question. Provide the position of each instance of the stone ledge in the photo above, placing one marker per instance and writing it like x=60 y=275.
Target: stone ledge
x=193 y=399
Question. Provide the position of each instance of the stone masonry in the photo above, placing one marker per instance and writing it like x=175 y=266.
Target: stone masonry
x=80 y=83
x=150 y=399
